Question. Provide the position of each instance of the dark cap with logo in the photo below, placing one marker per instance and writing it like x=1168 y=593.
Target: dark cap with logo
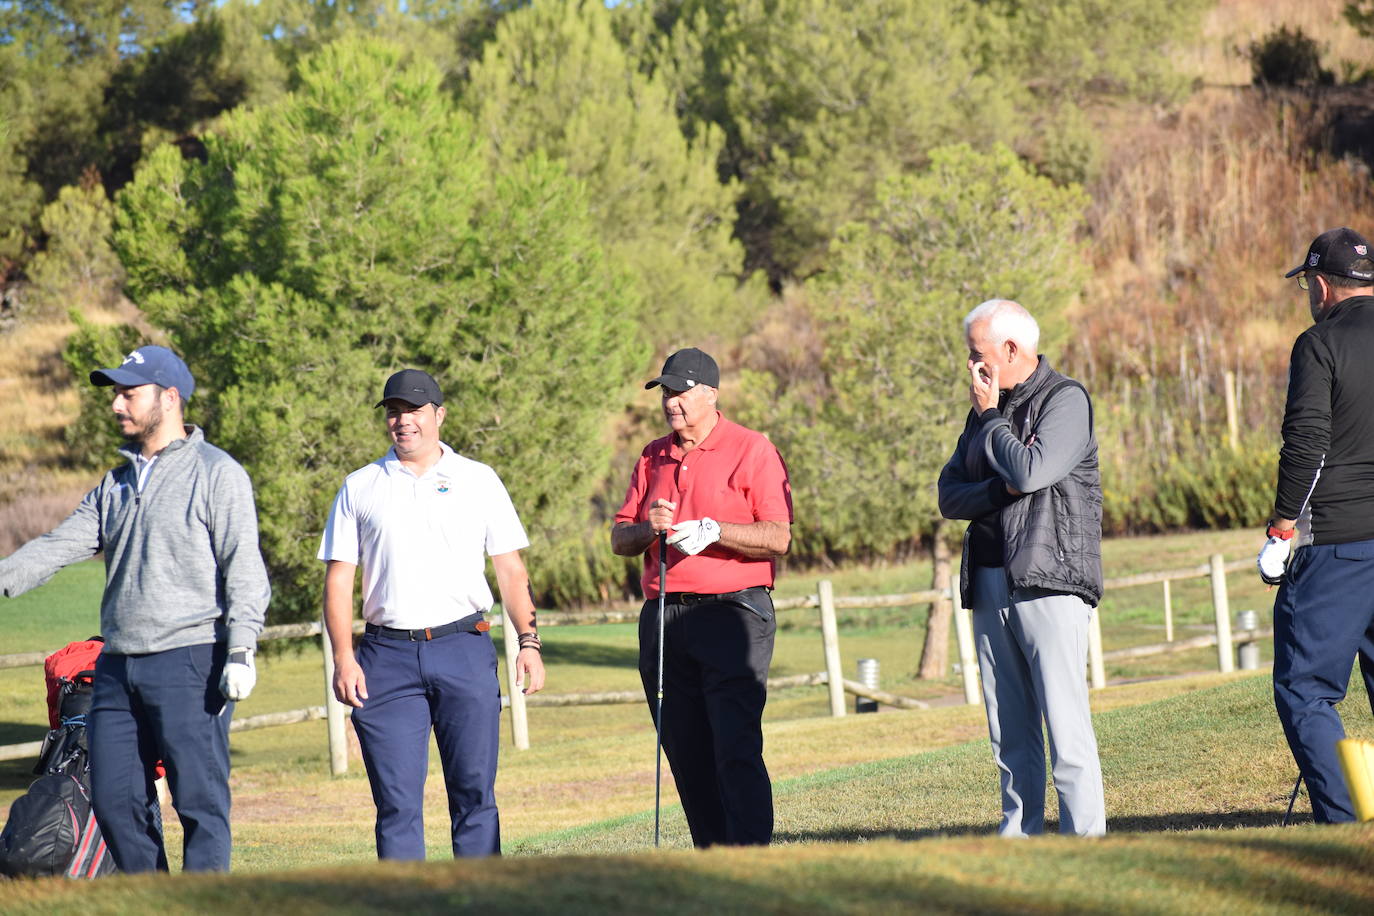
x=687 y=369
x=1337 y=251
x=414 y=387
x=150 y=365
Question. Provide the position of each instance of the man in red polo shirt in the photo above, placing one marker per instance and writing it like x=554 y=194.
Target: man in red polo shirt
x=721 y=493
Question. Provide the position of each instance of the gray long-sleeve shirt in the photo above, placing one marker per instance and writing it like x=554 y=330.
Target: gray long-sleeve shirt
x=182 y=565
x=1051 y=451
x=1054 y=448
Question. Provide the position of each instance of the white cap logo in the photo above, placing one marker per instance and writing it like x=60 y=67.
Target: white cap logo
x=134 y=357
x=1362 y=250
x=1312 y=259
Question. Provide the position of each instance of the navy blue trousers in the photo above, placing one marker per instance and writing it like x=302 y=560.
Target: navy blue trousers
x=715 y=683
x=1323 y=620
x=161 y=706
x=448 y=684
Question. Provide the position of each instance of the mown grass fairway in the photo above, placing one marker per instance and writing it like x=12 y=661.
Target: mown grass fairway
x=892 y=831
x=875 y=813
x=1302 y=870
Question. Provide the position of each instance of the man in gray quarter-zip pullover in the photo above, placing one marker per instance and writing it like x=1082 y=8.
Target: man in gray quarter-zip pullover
x=185 y=598
x=1024 y=474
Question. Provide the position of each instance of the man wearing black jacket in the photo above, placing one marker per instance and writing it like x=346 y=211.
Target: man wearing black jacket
x=1324 y=514
x=1024 y=473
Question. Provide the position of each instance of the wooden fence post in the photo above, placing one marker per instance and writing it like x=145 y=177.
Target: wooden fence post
x=1168 y=613
x=1232 y=422
x=519 y=721
x=333 y=710
x=963 y=632
x=830 y=639
x=1226 y=658
x=1096 y=669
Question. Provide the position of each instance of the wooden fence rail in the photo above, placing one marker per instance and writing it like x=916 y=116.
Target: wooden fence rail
x=833 y=678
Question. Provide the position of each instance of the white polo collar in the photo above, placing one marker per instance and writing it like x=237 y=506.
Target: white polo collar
x=447 y=457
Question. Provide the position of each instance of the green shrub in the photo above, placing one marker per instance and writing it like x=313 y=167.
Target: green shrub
x=1202 y=483
x=1287 y=58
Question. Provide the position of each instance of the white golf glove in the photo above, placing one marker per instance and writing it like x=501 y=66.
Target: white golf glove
x=692 y=537
x=240 y=675
x=1273 y=559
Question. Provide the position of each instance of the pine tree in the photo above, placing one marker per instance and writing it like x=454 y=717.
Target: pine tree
x=356 y=227
x=555 y=80
x=868 y=432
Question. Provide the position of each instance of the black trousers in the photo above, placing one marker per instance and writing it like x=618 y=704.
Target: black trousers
x=715 y=672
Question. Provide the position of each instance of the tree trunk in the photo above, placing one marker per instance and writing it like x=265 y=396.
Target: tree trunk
x=935 y=652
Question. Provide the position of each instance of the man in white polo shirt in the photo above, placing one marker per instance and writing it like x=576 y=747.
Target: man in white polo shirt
x=420 y=521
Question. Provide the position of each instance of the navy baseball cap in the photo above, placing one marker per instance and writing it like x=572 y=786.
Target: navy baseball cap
x=1335 y=251
x=414 y=387
x=687 y=369
x=150 y=365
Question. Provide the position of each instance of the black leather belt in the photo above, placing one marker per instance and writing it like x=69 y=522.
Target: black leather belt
x=473 y=623
x=743 y=594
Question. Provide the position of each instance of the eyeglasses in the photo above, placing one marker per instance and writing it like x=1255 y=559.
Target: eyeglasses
x=1302 y=281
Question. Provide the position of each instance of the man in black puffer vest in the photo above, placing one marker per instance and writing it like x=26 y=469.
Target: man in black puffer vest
x=1024 y=474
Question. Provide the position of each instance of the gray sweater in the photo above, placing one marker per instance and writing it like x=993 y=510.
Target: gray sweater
x=1041 y=443
x=182 y=566
x=1061 y=437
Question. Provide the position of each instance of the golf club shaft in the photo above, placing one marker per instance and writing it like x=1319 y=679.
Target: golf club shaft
x=658 y=715
x=1292 y=799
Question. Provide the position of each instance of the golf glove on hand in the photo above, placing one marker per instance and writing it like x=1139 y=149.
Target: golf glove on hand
x=1273 y=559
x=240 y=675
x=694 y=536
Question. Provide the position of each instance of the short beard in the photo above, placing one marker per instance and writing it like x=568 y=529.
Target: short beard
x=149 y=429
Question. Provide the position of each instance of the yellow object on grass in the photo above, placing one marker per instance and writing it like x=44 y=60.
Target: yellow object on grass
x=1357 y=763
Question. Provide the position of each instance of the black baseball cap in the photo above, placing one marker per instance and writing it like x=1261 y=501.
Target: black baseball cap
x=687 y=369
x=1334 y=252
x=414 y=387
x=150 y=365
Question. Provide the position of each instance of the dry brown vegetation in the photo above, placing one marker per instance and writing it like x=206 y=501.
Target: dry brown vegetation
x=38 y=487
x=1231 y=25
x=1194 y=221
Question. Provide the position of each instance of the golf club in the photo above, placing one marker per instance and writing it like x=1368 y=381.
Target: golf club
x=658 y=715
x=1292 y=799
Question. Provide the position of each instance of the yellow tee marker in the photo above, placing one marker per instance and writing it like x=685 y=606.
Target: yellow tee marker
x=1357 y=763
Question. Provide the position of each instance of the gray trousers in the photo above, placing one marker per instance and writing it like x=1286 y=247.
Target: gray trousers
x=1032 y=652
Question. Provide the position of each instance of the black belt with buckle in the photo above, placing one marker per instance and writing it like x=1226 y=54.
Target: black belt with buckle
x=743 y=594
x=473 y=623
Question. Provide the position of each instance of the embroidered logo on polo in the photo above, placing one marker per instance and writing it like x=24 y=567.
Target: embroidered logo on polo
x=442 y=485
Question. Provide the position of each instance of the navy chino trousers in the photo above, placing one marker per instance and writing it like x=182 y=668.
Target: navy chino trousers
x=161 y=706
x=715 y=673
x=448 y=684
x=1323 y=620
